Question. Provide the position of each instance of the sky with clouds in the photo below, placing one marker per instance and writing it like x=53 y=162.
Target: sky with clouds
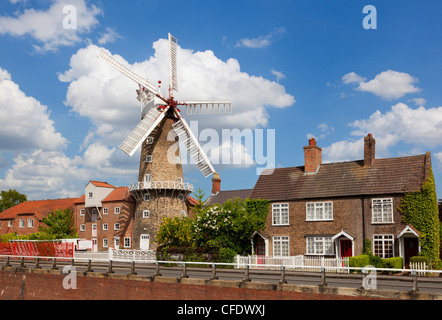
x=292 y=69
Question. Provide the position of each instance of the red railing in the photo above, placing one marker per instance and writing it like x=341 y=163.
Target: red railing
x=37 y=249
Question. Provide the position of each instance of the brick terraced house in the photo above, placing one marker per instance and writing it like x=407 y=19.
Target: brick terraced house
x=26 y=217
x=329 y=209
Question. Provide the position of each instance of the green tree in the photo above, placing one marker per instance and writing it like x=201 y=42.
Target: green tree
x=60 y=224
x=11 y=198
x=175 y=232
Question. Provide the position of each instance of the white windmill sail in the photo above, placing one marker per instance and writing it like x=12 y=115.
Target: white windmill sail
x=149 y=122
x=173 y=70
x=193 y=147
x=130 y=74
x=207 y=107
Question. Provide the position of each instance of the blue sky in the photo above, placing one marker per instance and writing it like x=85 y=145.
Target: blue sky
x=301 y=68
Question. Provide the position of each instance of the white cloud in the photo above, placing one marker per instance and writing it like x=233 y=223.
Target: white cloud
x=388 y=85
x=419 y=101
x=419 y=128
x=98 y=92
x=46 y=26
x=352 y=77
x=279 y=75
x=110 y=36
x=24 y=121
x=261 y=41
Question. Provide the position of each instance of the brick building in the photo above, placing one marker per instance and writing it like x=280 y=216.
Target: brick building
x=329 y=209
x=26 y=217
x=104 y=214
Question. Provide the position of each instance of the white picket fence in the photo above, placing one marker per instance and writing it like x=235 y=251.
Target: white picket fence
x=131 y=255
x=297 y=263
x=419 y=266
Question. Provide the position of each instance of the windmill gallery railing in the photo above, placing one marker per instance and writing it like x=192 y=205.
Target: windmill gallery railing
x=161 y=185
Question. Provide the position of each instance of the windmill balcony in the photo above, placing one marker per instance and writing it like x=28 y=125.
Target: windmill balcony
x=162 y=185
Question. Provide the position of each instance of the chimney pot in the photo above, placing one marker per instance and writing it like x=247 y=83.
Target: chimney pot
x=312 y=157
x=216 y=183
x=369 y=150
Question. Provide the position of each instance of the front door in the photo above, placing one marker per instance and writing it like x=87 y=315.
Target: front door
x=346 y=248
x=411 y=249
x=144 y=242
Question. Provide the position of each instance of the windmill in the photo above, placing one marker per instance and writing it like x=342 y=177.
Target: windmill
x=160 y=190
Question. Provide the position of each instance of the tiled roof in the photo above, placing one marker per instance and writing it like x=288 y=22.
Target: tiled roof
x=223 y=196
x=101 y=184
x=40 y=209
x=119 y=194
x=386 y=176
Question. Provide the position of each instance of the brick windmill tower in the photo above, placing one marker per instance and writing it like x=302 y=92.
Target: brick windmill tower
x=160 y=190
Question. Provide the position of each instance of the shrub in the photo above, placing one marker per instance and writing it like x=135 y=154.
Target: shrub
x=226 y=255
x=394 y=263
x=359 y=261
x=420 y=259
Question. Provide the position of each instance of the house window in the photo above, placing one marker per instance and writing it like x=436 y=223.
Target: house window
x=149 y=158
x=30 y=223
x=105 y=227
x=147 y=197
x=105 y=243
x=117 y=242
x=117 y=210
x=320 y=246
x=319 y=211
x=280 y=246
x=382 y=210
x=82 y=212
x=116 y=226
x=146 y=214
x=280 y=214
x=22 y=223
x=10 y=224
x=90 y=195
x=127 y=242
x=105 y=210
x=383 y=245
x=82 y=227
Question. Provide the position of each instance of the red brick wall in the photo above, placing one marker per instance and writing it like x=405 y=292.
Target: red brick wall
x=30 y=286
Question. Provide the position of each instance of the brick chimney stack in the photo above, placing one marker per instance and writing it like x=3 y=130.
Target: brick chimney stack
x=216 y=183
x=312 y=157
x=369 y=150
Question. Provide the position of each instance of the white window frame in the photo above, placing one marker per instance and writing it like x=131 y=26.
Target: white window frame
x=146 y=214
x=117 y=210
x=106 y=210
x=105 y=227
x=382 y=216
x=147 y=178
x=82 y=227
x=319 y=246
x=127 y=242
x=116 y=226
x=281 y=246
x=277 y=214
x=146 y=196
x=105 y=242
x=149 y=158
x=30 y=223
x=9 y=223
x=21 y=223
x=82 y=212
x=149 y=140
x=319 y=211
x=90 y=195
x=382 y=239
x=177 y=160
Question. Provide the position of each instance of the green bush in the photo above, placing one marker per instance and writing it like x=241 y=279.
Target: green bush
x=420 y=259
x=394 y=263
x=226 y=255
x=359 y=261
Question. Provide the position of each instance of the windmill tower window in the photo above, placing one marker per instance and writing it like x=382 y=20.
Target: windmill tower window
x=148 y=158
x=181 y=197
x=147 y=197
x=147 y=178
x=180 y=180
x=149 y=140
x=146 y=214
x=177 y=160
